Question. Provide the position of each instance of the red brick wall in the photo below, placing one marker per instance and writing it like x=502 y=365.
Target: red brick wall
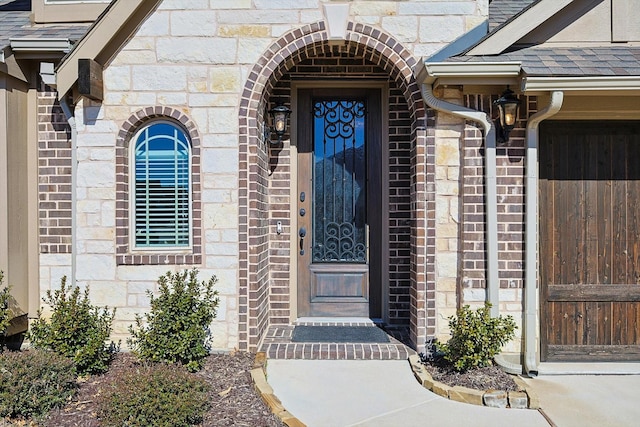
x=511 y=204
x=54 y=171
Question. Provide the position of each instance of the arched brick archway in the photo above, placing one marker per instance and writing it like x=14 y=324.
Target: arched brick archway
x=292 y=48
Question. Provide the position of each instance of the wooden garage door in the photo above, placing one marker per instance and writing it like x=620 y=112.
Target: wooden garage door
x=590 y=240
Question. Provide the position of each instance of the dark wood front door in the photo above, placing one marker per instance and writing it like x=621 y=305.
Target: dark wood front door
x=339 y=201
x=590 y=240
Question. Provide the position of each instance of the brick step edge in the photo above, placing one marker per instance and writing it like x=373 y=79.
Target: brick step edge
x=262 y=387
x=526 y=399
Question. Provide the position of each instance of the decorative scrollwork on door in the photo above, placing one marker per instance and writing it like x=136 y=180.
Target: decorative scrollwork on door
x=339 y=180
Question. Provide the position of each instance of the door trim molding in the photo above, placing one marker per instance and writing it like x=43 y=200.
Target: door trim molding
x=383 y=87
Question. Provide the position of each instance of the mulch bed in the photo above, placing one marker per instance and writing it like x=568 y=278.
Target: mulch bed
x=234 y=402
x=488 y=378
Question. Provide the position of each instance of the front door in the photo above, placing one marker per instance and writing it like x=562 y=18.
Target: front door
x=339 y=202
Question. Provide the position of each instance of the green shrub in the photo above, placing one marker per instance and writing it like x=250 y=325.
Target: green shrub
x=157 y=395
x=5 y=312
x=176 y=330
x=77 y=329
x=476 y=337
x=34 y=382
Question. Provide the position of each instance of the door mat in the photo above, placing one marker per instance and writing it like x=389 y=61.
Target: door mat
x=342 y=334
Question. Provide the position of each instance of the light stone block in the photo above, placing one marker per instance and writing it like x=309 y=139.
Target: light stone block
x=456 y=7
x=374 y=8
x=117 y=78
x=255 y=16
x=193 y=23
x=107 y=293
x=251 y=49
x=108 y=213
x=220 y=160
x=159 y=77
x=231 y=4
x=223 y=249
x=309 y=16
x=141 y=287
x=220 y=262
x=157 y=24
x=220 y=216
x=217 y=196
x=441 y=28
x=213 y=99
x=135 y=57
x=286 y=4
x=447 y=188
x=244 y=31
x=220 y=141
x=403 y=28
x=221 y=315
x=200 y=117
x=142 y=273
x=185 y=4
x=96 y=174
x=173 y=99
x=223 y=120
x=99 y=247
x=95 y=267
x=130 y=98
x=474 y=295
x=194 y=50
x=447 y=264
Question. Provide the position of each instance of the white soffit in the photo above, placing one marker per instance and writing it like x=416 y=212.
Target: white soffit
x=519 y=27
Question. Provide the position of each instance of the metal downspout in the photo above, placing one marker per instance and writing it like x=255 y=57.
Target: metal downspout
x=531 y=238
x=491 y=207
x=74 y=176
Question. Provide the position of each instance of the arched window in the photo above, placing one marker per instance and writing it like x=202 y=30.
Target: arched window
x=161 y=187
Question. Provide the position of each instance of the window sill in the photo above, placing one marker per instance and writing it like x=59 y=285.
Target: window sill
x=159 y=259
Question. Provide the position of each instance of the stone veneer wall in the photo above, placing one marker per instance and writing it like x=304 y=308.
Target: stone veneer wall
x=204 y=59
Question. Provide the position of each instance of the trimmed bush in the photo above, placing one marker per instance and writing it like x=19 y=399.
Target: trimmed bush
x=77 y=329
x=32 y=383
x=5 y=313
x=176 y=330
x=476 y=337
x=156 y=395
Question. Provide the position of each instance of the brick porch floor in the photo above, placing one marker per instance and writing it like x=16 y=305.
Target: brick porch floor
x=277 y=345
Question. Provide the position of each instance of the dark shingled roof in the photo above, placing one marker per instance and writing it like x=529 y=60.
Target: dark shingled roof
x=569 y=61
x=500 y=11
x=15 y=24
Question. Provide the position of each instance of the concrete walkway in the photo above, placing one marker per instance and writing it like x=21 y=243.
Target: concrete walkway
x=589 y=400
x=332 y=393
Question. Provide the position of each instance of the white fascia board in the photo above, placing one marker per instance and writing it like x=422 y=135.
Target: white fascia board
x=522 y=25
x=598 y=83
x=442 y=70
x=40 y=45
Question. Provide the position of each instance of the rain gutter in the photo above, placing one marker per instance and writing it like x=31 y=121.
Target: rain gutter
x=491 y=207
x=74 y=178
x=531 y=237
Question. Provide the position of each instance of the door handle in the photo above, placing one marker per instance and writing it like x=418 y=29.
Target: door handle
x=302 y=233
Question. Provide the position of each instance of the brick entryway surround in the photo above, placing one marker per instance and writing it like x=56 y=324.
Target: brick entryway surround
x=277 y=345
x=264 y=294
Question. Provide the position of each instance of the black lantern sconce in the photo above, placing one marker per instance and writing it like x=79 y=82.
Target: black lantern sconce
x=279 y=116
x=508 y=105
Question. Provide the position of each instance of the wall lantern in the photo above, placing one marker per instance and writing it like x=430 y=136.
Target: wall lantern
x=279 y=115
x=508 y=105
